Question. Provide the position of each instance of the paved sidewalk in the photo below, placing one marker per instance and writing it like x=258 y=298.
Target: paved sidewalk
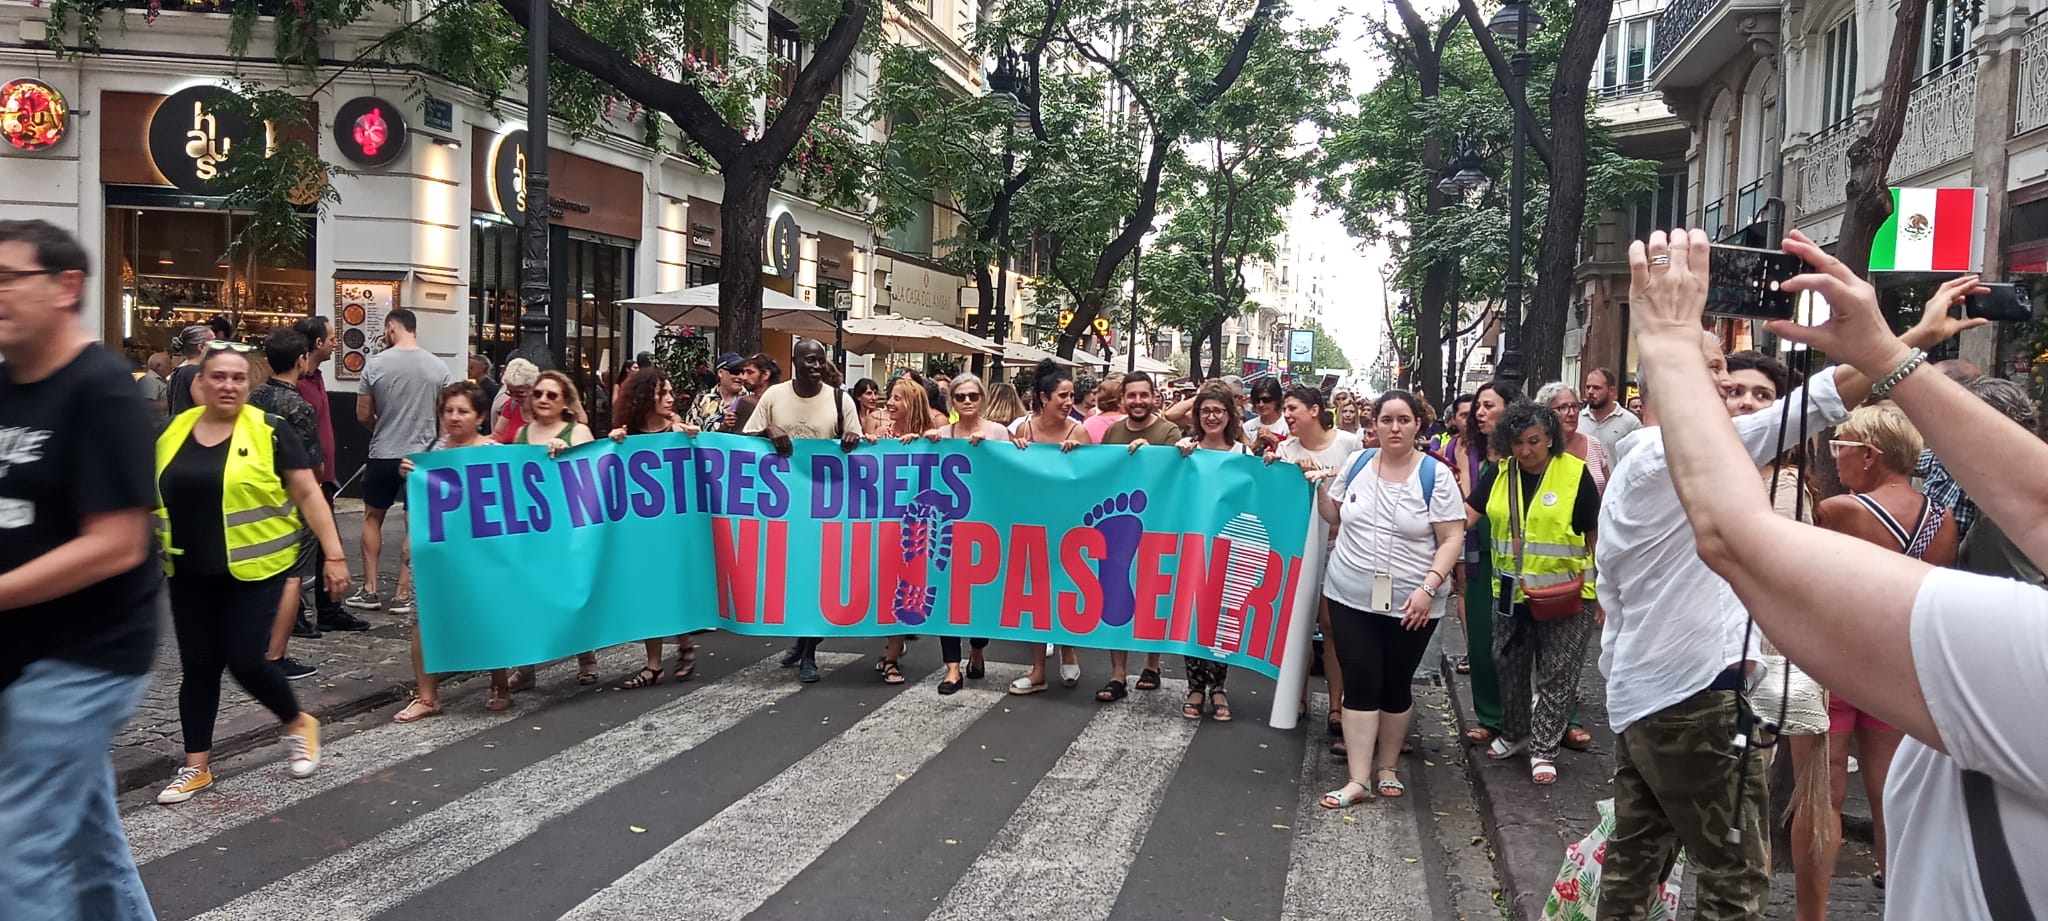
x=1530 y=825
x=358 y=672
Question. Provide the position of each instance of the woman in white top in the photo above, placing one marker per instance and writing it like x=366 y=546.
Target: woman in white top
x=1315 y=446
x=1564 y=401
x=1400 y=528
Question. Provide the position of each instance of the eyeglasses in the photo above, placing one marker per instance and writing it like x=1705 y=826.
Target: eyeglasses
x=1837 y=445
x=1215 y=411
x=966 y=396
x=11 y=277
x=547 y=395
x=1567 y=406
x=222 y=345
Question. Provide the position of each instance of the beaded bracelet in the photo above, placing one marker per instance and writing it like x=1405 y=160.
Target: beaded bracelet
x=1883 y=388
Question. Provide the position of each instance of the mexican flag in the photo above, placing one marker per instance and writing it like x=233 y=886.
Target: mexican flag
x=1931 y=230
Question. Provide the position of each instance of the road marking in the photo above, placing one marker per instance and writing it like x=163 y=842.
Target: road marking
x=1065 y=852
x=260 y=792
x=1357 y=870
x=800 y=813
x=377 y=875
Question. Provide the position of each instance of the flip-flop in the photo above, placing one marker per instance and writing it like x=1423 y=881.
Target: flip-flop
x=1023 y=686
x=1344 y=800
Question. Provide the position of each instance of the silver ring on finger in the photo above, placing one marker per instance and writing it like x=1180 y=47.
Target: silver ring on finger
x=1660 y=260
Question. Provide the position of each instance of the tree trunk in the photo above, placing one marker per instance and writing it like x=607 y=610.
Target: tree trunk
x=1557 y=253
x=1429 y=311
x=744 y=225
x=1870 y=156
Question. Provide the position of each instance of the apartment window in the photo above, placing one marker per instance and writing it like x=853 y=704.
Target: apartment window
x=1626 y=57
x=785 y=53
x=705 y=33
x=1661 y=208
x=1838 y=86
x=1948 y=35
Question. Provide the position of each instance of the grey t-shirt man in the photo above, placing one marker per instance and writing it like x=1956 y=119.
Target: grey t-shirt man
x=403 y=385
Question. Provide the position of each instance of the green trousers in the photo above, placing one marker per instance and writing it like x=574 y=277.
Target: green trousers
x=1479 y=601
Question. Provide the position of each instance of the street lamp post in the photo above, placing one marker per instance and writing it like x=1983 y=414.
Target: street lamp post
x=1131 y=342
x=1008 y=82
x=534 y=290
x=1516 y=19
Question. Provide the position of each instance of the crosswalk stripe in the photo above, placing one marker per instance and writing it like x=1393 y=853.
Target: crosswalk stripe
x=379 y=874
x=1366 y=868
x=794 y=818
x=238 y=800
x=1066 y=851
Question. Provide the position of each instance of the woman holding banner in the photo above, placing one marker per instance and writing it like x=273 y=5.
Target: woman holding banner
x=461 y=410
x=1217 y=428
x=647 y=406
x=1052 y=387
x=1400 y=527
x=556 y=407
x=969 y=396
x=1313 y=445
x=910 y=418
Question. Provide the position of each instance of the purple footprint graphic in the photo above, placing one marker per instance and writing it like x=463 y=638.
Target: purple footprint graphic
x=927 y=538
x=1116 y=518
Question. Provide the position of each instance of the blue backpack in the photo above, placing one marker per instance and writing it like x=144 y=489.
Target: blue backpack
x=1429 y=465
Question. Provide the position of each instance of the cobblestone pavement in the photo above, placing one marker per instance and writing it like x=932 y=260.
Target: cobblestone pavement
x=358 y=671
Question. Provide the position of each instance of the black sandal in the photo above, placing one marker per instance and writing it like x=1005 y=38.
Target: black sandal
x=1192 y=707
x=1219 y=706
x=890 y=673
x=1148 y=680
x=645 y=678
x=686 y=663
x=1336 y=725
x=1112 y=692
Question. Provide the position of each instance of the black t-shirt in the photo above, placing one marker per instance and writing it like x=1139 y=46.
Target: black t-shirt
x=182 y=377
x=1585 y=506
x=191 y=487
x=75 y=444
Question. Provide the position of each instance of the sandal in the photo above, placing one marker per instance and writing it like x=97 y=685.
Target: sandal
x=1336 y=727
x=1542 y=772
x=1461 y=664
x=686 y=663
x=1341 y=797
x=1390 y=786
x=1578 y=739
x=1192 y=708
x=1112 y=692
x=1478 y=735
x=1502 y=749
x=420 y=708
x=890 y=673
x=1219 y=706
x=1023 y=686
x=1339 y=749
x=500 y=699
x=586 y=668
x=645 y=678
x=1148 y=680
x=521 y=680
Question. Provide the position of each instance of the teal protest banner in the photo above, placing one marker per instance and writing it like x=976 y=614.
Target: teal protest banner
x=520 y=558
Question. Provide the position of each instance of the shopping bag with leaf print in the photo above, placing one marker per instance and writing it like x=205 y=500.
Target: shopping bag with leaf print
x=1576 y=894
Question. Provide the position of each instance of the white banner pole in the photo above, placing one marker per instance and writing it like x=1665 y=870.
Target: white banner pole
x=1291 y=688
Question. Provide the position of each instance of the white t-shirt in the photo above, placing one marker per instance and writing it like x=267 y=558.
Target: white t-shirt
x=1980 y=648
x=1252 y=427
x=1337 y=452
x=799 y=417
x=1387 y=527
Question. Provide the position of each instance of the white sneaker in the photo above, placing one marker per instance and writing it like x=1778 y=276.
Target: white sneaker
x=305 y=748
x=188 y=782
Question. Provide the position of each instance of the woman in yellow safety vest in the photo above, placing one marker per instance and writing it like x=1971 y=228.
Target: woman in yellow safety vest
x=1547 y=542
x=235 y=492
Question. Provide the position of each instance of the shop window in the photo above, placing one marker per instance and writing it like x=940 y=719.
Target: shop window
x=494 y=290
x=169 y=269
x=594 y=273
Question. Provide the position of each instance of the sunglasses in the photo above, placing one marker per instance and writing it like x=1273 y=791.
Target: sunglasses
x=967 y=396
x=547 y=395
x=1839 y=444
x=222 y=345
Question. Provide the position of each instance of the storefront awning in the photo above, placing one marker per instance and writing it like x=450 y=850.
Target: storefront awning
x=1017 y=353
x=901 y=335
x=1146 y=363
x=699 y=307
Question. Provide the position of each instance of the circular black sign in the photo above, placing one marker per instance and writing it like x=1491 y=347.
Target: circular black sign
x=370 y=131
x=782 y=245
x=191 y=137
x=508 y=176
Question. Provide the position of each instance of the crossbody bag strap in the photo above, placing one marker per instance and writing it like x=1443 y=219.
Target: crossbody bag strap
x=1516 y=531
x=2004 y=894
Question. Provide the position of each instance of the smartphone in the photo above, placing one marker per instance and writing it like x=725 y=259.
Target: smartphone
x=1747 y=282
x=2005 y=303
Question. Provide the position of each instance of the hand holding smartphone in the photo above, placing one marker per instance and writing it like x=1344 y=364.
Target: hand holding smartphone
x=1747 y=282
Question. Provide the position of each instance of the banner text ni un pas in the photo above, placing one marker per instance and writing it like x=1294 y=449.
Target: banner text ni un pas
x=520 y=558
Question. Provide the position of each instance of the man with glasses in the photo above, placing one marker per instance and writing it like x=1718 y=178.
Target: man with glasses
x=79 y=588
x=709 y=408
x=401 y=386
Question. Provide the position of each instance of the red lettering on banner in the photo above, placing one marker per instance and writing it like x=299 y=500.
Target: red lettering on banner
x=840 y=572
x=1285 y=604
x=1027 y=587
x=1152 y=585
x=977 y=560
x=1081 y=610
x=890 y=568
x=1259 y=605
x=778 y=572
x=737 y=567
x=1199 y=595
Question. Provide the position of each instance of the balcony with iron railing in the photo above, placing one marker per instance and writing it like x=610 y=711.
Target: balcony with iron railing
x=1941 y=120
x=1695 y=38
x=1749 y=202
x=1824 y=168
x=2030 y=103
x=1714 y=219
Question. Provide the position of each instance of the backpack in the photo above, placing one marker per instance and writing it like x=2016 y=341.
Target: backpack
x=1429 y=465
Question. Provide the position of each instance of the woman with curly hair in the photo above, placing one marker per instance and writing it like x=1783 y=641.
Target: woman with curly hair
x=647 y=406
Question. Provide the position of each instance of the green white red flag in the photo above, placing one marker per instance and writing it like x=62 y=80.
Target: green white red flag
x=1931 y=230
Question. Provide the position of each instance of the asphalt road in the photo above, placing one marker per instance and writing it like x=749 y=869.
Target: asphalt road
x=743 y=794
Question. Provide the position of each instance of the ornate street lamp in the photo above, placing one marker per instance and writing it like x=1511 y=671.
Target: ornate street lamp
x=534 y=288
x=1516 y=20
x=1008 y=81
x=1462 y=176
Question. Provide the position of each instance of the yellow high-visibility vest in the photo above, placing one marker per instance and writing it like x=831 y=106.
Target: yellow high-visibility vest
x=1552 y=553
x=262 y=524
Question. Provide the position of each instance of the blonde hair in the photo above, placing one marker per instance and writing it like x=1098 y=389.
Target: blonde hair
x=917 y=408
x=1885 y=427
x=1003 y=405
x=572 y=401
x=1109 y=394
